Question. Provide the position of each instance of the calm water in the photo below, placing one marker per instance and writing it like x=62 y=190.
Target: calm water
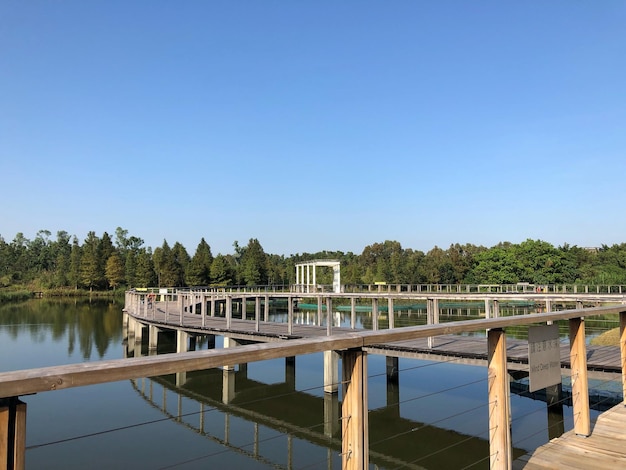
x=277 y=417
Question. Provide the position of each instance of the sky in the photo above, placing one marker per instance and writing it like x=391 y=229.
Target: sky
x=314 y=125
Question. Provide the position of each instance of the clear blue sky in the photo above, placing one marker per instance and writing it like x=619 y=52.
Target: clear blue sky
x=315 y=125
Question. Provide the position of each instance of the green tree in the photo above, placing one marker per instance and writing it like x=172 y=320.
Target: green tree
x=199 y=268
x=221 y=273
x=91 y=266
x=145 y=273
x=254 y=264
x=114 y=270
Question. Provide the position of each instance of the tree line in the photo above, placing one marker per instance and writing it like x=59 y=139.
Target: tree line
x=123 y=261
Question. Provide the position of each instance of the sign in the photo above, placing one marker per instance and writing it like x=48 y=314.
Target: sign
x=544 y=356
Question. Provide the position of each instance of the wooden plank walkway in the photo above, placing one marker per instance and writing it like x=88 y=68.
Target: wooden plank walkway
x=604 y=449
x=467 y=347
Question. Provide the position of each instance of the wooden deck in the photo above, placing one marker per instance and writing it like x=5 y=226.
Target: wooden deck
x=470 y=349
x=604 y=449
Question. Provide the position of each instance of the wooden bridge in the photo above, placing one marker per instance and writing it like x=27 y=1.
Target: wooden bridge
x=208 y=313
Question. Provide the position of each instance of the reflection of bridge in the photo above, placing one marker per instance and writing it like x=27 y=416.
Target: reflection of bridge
x=302 y=416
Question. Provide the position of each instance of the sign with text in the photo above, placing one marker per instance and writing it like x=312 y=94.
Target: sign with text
x=544 y=356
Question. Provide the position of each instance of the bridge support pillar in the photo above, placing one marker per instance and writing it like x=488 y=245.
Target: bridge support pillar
x=331 y=372
x=229 y=343
x=153 y=338
x=12 y=433
x=138 y=331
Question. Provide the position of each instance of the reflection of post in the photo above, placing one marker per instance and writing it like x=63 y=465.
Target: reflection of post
x=202 y=417
x=228 y=386
x=331 y=414
x=227 y=428
x=556 y=424
x=256 y=440
x=210 y=342
x=331 y=372
x=290 y=372
x=393 y=389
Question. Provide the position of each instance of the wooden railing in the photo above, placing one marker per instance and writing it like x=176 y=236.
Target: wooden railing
x=354 y=359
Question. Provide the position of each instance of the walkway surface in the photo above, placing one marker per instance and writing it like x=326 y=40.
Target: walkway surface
x=474 y=347
x=604 y=449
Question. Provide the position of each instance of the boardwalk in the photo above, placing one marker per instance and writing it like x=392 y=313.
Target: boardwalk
x=470 y=348
x=604 y=449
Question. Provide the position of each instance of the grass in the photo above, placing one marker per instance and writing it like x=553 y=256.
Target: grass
x=608 y=338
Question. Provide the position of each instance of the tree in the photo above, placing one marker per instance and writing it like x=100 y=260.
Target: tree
x=199 y=268
x=91 y=267
x=221 y=273
x=254 y=264
x=114 y=270
x=145 y=274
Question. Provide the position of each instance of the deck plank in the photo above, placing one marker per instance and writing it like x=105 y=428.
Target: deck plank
x=604 y=449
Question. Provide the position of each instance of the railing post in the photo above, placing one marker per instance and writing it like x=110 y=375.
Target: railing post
x=499 y=429
x=374 y=313
x=354 y=424
x=329 y=316
x=229 y=310
x=390 y=312
x=12 y=433
x=622 y=345
x=290 y=315
x=352 y=312
x=580 y=385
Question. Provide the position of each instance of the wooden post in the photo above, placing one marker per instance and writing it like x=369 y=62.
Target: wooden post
x=266 y=309
x=290 y=315
x=203 y=308
x=374 y=313
x=229 y=310
x=580 y=385
x=430 y=319
x=257 y=313
x=354 y=418
x=352 y=312
x=622 y=345
x=12 y=433
x=329 y=316
x=390 y=312
x=499 y=430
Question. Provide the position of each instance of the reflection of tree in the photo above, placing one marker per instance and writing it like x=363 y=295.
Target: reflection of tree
x=95 y=323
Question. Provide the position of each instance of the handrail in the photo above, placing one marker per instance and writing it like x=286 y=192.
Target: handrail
x=44 y=379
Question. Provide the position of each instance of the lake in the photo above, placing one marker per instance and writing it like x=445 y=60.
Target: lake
x=435 y=416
